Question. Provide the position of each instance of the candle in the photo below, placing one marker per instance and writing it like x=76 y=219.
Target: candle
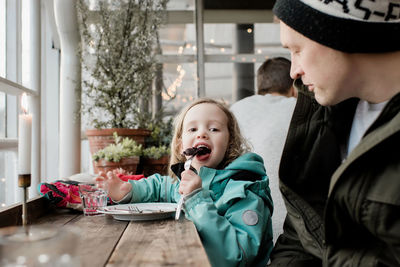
x=24 y=138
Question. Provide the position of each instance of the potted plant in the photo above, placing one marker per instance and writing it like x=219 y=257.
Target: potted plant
x=118 y=62
x=156 y=155
x=155 y=159
x=124 y=153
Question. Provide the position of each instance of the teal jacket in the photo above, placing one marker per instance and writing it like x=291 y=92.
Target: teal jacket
x=232 y=212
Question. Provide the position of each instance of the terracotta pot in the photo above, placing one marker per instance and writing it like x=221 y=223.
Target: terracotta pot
x=152 y=166
x=99 y=139
x=128 y=164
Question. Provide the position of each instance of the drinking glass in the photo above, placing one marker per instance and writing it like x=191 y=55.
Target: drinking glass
x=94 y=197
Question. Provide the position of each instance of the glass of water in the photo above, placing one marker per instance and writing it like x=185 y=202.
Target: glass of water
x=93 y=196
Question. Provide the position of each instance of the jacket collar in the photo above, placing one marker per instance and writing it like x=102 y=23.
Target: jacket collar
x=237 y=172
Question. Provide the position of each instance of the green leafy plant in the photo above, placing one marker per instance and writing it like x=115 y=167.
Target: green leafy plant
x=156 y=152
x=123 y=148
x=161 y=131
x=158 y=143
x=118 y=58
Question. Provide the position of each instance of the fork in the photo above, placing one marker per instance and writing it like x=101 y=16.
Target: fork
x=134 y=208
x=187 y=166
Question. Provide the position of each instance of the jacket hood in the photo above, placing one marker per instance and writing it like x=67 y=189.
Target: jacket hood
x=250 y=162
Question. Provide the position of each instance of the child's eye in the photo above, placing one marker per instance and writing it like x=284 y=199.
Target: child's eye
x=214 y=130
x=192 y=129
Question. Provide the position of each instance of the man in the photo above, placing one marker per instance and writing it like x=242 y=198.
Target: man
x=340 y=168
x=264 y=121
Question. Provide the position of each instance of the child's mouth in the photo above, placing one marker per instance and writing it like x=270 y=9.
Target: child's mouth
x=200 y=152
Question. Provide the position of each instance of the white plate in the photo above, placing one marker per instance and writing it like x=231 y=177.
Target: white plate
x=141 y=211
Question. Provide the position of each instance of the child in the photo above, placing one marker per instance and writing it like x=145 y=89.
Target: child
x=228 y=200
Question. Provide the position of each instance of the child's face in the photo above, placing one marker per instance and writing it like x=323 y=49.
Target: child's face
x=206 y=124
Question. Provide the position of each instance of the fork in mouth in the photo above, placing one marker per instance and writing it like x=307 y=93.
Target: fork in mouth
x=192 y=152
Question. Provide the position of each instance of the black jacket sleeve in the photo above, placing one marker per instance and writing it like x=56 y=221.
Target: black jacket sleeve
x=288 y=250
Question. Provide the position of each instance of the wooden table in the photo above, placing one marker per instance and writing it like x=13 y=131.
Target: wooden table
x=104 y=241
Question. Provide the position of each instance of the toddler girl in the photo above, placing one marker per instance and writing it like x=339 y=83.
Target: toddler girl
x=226 y=192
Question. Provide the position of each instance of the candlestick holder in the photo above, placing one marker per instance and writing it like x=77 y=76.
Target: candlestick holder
x=26 y=233
x=24 y=181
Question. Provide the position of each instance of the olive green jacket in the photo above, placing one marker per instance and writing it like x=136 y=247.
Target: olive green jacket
x=340 y=213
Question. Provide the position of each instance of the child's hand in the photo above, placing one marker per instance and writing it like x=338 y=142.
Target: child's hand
x=117 y=188
x=189 y=181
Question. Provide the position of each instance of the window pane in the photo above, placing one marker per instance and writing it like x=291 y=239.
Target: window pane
x=2 y=115
x=180 y=86
x=218 y=38
x=2 y=69
x=266 y=38
x=26 y=43
x=8 y=183
x=2 y=181
x=180 y=5
x=2 y=38
x=219 y=81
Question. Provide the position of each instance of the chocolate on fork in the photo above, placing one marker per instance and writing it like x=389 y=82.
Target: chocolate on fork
x=192 y=152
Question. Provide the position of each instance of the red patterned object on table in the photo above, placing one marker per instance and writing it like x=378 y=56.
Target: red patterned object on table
x=65 y=194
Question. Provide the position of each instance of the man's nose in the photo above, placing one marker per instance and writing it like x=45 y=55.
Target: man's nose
x=295 y=70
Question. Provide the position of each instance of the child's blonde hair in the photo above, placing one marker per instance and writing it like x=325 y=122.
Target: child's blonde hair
x=237 y=144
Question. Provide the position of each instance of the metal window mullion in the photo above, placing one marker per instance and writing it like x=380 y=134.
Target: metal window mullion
x=201 y=92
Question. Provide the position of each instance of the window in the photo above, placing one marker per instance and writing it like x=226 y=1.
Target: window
x=17 y=51
x=2 y=68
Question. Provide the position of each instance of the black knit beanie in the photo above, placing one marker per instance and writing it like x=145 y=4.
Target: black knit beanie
x=353 y=26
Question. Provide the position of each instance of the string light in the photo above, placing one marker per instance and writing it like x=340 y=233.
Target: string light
x=222 y=50
x=92 y=27
x=171 y=90
x=249 y=30
x=259 y=51
x=212 y=41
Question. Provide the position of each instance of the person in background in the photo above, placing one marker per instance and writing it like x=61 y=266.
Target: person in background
x=340 y=168
x=226 y=192
x=264 y=121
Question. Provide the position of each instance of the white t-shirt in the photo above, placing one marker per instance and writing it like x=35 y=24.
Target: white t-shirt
x=264 y=121
x=366 y=114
